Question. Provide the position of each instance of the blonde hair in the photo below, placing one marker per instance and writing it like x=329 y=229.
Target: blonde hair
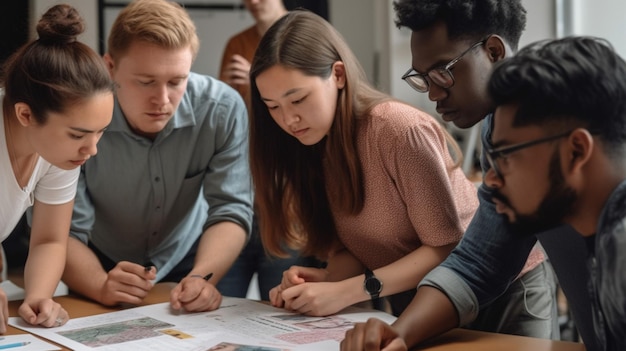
x=160 y=22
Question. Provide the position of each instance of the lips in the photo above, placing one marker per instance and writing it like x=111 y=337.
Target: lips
x=447 y=114
x=158 y=114
x=299 y=132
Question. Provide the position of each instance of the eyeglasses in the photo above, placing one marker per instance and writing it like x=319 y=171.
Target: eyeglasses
x=497 y=157
x=442 y=76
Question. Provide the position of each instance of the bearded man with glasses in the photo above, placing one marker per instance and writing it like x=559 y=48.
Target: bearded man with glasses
x=495 y=279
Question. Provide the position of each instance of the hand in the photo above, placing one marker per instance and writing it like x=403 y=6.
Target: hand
x=195 y=294
x=316 y=299
x=237 y=71
x=127 y=282
x=295 y=275
x=373 y=335
x=45 y=312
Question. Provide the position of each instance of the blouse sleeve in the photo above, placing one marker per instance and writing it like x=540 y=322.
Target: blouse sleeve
x=441 y=201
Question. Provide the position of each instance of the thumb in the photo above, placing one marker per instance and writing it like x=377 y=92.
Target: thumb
x=175 y=297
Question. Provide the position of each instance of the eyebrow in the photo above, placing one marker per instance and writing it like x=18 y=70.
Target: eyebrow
x=87 y=130
x=152 y=76
x=287 y=93
x=440 y=63
x=501 y=143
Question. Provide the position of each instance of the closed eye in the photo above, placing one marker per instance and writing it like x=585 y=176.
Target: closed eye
x=296 y=102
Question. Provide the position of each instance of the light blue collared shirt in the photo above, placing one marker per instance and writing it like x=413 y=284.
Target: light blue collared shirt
x=148 y=201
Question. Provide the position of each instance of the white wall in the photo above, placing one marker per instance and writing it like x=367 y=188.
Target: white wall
x=368 y=27
x=602 y=18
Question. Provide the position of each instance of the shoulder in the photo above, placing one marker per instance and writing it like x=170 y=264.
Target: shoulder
x=203 y=89
x=248 y=36
x=398 y=118
x=213 y=104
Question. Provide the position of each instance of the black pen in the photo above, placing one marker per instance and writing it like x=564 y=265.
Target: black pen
x=206 y=277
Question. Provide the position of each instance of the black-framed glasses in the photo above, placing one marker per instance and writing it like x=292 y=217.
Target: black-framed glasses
x=500 y=154
x=442 y=76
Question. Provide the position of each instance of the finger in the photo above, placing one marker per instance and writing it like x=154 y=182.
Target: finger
x=207 y=300
x=239 y=81
x=175 y=297
x=4 y=312
x=240 y=59
x=129 y=283
x=62 y=318
x=277 y=299
x=47 y=313
x=4 y=320
x=349 y=341
x=131 y=269
x=27 y=313
x=395 y=344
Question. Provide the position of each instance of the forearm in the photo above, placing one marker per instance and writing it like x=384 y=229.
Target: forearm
x=401 y=275
x=219 y=247
x=343 y=265
x=43 y=268
x=47 y=249
x=430 y=313
x=405 y=273
x=83 y=272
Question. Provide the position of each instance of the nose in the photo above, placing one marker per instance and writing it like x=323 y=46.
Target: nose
x=492 y=180
x=436 y=93
x=160 y=95
x=290 y=117
x=90 y=148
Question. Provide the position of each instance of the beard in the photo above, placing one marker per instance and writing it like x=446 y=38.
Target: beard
x=555 y=206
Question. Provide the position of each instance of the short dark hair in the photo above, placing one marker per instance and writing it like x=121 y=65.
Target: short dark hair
x=574 y=81
x=473 y=19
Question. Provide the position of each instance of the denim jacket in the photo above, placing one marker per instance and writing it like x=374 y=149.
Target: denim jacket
x=490 y=256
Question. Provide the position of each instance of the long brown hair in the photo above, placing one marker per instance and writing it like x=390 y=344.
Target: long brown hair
x=291 y=193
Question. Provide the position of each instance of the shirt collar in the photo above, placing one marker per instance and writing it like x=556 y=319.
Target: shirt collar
x=183 y=117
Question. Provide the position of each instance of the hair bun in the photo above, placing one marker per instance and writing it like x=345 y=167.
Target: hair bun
x=61 y=24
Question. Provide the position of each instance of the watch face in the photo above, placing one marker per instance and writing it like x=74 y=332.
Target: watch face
x=373 y=285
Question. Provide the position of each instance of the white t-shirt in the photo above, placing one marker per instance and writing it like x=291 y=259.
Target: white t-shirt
x=48 y=184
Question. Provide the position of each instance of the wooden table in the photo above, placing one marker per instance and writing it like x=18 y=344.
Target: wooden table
x=455 y=340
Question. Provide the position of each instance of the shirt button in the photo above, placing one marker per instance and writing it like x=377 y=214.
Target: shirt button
x=156 y=179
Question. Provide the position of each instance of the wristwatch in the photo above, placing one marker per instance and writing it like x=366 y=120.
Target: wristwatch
x=372 y=285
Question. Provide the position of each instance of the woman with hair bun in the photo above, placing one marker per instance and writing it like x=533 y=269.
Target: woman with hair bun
x=57 y=100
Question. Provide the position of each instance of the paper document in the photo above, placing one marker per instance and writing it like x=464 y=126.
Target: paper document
x=34 y=344
x=15 y=292
x=238 y=325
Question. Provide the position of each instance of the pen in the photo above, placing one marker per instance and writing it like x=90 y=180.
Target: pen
x=206 y=277
x=15 y=344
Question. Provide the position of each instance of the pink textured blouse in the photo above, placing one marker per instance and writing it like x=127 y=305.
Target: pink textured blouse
x=413 y=193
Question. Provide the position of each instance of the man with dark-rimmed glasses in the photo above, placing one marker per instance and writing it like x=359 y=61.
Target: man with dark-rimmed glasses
x=560 y=128
x=442 y=76
x=454 y=47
